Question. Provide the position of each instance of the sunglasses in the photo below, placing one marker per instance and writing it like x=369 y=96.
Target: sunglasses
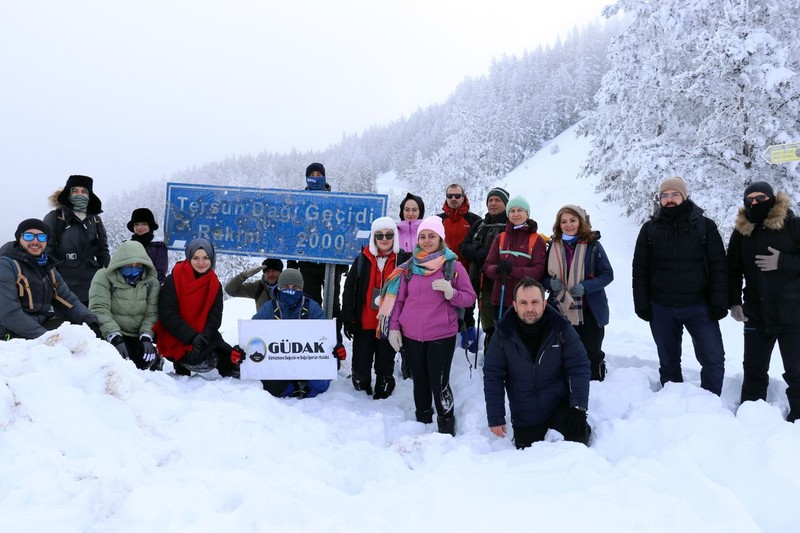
x=761 y=198
x=668 y=195
x=456 y=195
x=384 y=236
x=28 y=237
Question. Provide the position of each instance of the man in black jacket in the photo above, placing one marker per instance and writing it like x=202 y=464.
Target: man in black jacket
x=765 y=250
x=540 y=353
x=32 y=291
x=475 y=248
x=680 y=280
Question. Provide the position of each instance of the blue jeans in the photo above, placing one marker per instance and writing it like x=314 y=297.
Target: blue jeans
x=667 y=328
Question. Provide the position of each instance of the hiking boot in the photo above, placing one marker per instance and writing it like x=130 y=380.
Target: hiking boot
x=426 y=416
x=447 y=424
x=384 y=387
x=362 y=385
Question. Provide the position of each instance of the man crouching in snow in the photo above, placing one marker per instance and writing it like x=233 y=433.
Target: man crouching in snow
x=291 y=302
x=537 y=356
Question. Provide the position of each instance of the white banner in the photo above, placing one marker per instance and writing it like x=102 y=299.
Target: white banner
x=288 y=349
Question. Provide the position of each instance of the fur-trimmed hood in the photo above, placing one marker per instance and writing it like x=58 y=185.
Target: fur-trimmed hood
x=58 y=200
x=775 y=220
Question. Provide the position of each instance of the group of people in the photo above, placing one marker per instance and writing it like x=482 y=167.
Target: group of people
x=413 y=290
x=683 y=277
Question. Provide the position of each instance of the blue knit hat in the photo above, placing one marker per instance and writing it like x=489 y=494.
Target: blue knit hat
x=518 y=201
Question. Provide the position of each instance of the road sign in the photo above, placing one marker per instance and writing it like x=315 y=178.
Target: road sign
x=782 y=153
x=304 y=225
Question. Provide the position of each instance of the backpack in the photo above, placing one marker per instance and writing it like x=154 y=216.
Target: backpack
x=25 y=288
x=531 y=243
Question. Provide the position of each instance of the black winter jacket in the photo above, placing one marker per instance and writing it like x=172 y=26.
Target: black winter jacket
x=80 y=247
x=771 y=298
x=679 y=260
x=16 y=314
x=475 y=246
x=536 y=383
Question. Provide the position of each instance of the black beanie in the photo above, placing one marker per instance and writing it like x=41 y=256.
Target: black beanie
x=31 y=223
x=500 y=193
x=315 y=166
x=273 y=264
x=143 y=214
x=759 y=186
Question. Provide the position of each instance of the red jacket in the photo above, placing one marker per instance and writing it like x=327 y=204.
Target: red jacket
x=456 y=225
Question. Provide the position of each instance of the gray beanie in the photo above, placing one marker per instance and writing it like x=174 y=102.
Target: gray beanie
x=291 y=276
x=197 y=244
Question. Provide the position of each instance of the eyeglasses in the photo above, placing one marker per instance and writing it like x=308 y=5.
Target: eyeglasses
x=28 y=237
x=384 y=236
x=668 y=195
x=456 y=195
x=761 y=198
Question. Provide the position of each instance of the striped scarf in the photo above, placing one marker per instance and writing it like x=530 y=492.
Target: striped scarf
x=558 y=266
x=421 y=264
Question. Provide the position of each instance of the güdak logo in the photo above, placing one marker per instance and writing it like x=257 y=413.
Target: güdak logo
x=259 y=349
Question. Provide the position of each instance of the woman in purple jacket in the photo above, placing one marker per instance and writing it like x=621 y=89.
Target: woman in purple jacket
x=419 y=310
x=412 y=211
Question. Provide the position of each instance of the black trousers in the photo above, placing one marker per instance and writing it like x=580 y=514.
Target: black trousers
x=524 y=436
x=592 y=335
x=758 y=346
x=314 y=283
x=368 y=349
x=430 y=362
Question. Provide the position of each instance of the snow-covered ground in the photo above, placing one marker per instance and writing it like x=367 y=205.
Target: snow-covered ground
x=89 y=443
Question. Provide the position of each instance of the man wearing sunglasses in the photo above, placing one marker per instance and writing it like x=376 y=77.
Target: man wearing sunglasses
x=764 y=250
x=680 y=278
x=457 y=219
x=33 y=296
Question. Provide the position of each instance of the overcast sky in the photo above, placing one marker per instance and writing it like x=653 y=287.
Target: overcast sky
x=133 y=91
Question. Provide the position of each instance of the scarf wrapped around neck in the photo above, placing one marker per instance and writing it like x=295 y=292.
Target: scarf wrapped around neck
x=558 y=266
x=421 y=264
x=195 y=297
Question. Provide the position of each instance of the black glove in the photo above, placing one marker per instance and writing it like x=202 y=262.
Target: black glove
x=200 y=342
x=148 y=350
x=237 y=355
x=480 y=255
x=504 y=267
x=645 y=314
x=576 y=427
x=349 y=328
x=717 y=313
x=95 y=327
x=119 y=344
x=340 y=354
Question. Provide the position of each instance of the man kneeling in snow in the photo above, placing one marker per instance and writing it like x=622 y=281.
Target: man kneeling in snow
x=537 y=356
x=291 y=303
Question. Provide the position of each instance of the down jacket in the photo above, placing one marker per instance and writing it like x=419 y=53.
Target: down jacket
x=122 y=308
x=536 y=384
x=527 y=262
x=771 y=298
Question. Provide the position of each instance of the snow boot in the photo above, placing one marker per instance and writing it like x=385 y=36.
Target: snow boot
x=447 y=424
x=598 y=370
x=426 y=416
x=362 y=384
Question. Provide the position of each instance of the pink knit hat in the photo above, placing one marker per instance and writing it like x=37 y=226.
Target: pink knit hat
x=432 y=223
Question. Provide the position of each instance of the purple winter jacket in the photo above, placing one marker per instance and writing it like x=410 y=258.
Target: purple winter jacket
x=424 y=314
x=407 y=234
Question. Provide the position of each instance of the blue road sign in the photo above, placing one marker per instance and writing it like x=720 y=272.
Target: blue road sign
x=304 y=225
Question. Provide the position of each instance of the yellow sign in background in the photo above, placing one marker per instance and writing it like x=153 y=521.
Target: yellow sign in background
x=782 y=153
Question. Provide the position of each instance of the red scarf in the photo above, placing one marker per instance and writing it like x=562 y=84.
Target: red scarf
x=195 y=297
x=377 y=278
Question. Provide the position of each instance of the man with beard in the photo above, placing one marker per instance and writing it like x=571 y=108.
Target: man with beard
x=680 y=278
x=764 y=251
x=538 y=351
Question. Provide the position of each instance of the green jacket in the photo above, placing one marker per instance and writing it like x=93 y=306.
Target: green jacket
x=122 y=308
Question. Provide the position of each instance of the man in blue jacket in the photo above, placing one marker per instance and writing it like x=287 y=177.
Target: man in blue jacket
x=537 y=357
x=291 y=302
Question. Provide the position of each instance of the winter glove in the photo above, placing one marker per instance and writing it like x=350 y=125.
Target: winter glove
x=555 y=285
x=468 y=338
x=576 y=427
x=504 y=267
x=148 y=350
x=645 y=314
x=119 y=343
x=717 y=312
x=737 y=312
x=395 y=339
x=577 y=291
x=95 y=327
x=445 y=287
x=340 y=354
x=768 y=262
x=480 y=255
x=237 y=355
x=349 y=328
x=200 y=342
